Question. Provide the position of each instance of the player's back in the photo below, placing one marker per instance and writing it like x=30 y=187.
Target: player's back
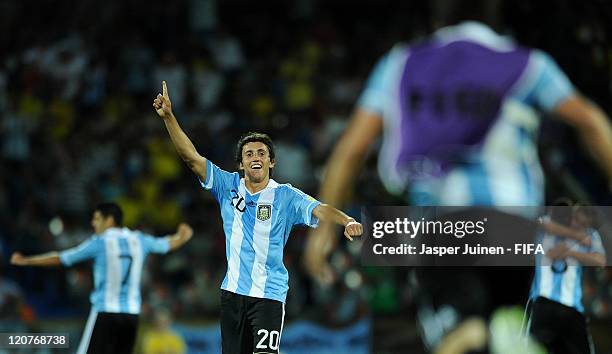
x=119 y=256
x=118 y=271
x=451 y=92
x=460 y=117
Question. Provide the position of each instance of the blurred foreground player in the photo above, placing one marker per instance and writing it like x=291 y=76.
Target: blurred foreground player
x=459 y=115
x=557 y=317
x=258 y=214
x=119 y=255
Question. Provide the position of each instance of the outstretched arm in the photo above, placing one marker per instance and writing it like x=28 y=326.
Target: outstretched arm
x=593 y=127
x=184 y=146
x=184 y=232
x=327 y=213
x=42 y=260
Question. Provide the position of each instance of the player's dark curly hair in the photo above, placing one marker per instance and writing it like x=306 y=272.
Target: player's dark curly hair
x=253 y=137
x=111 y=209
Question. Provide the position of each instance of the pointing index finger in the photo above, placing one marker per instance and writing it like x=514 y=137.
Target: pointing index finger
x=164 y=89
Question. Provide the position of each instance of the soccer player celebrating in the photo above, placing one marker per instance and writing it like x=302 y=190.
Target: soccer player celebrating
x=119 y=255
x=557 y=316
x=258 y=214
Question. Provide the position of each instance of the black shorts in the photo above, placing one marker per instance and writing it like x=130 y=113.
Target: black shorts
x=250 y=325
x=560 y=328
x=110 y=333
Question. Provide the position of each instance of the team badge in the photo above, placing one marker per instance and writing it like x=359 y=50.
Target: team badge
x=264 y=211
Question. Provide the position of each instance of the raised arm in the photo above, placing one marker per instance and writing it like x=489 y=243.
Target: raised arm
x=327 y=213
x=593 y=127
x=341 y=171
x=184 y=232
x=184 y=146
x=342 y=168
x=43 y=260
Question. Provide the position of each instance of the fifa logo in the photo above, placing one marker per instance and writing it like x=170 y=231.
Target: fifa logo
x=264 y=211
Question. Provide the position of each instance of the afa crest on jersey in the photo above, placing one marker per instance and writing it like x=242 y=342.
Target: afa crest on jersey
x=264 y=211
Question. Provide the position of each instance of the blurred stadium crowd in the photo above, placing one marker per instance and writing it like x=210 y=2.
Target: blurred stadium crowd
x=77 y=127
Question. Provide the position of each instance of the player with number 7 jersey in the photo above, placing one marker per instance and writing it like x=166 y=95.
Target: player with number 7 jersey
x=118 y=255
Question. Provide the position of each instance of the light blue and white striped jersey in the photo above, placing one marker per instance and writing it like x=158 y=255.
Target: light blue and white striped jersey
x=460 y=113
x=119 y=255
x=256 y=228
x=561 y=281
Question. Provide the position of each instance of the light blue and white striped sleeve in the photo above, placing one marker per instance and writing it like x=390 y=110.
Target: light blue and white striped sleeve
x=152 y=244
x=374 y=94
x=85 y=251
x=301 y=206
x=218 y=181
x=544 y=84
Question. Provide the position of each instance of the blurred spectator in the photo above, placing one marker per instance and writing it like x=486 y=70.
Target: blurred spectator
x=203 y=17
x=227 y=52
x=65 y=63
x=162 y=339
x=137 y=59
x=207 y=84
x=292 y=160
x=175 y=74
x=17 y=130
x=94 y=84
